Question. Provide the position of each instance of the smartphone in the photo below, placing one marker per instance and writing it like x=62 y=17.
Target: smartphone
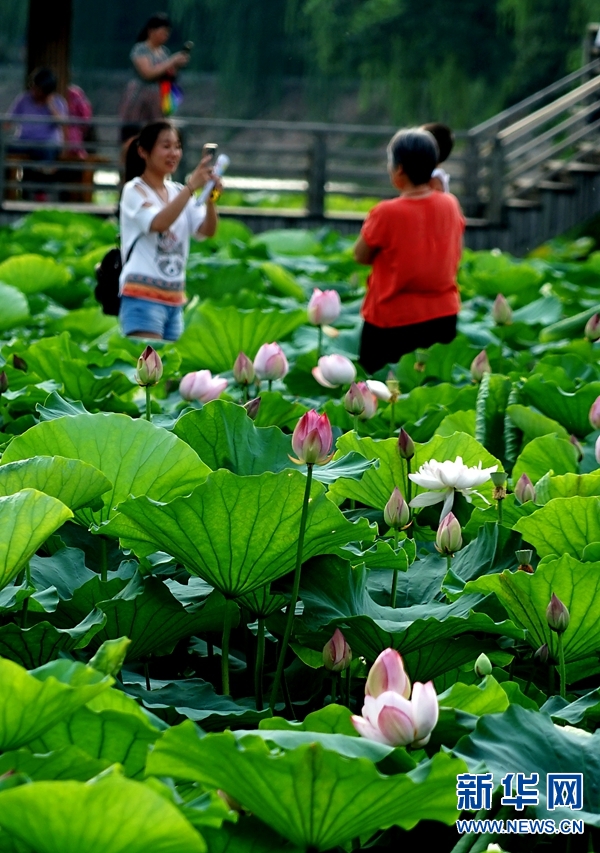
x=210 y=148
x=187 y=47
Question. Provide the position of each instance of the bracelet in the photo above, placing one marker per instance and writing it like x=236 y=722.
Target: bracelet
x=187 y=183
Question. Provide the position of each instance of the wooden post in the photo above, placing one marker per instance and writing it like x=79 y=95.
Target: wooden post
x=496 y=202
x=49 y=39
x=471 y=176
x=317 y=171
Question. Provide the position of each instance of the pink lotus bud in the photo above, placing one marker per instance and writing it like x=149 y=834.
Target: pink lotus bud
x=542 y=654
x=337 y=654
x=557 y=615
x=406 y=446
x=3 y=382
x=448 y=538
x=592 y=328
x=369 y=399
x=252 y=407
x=334 y=370
x=524 y=490
x=501 y=311
x=201 y=386
x=577 y=445
x=324 y=307
x=380 y=389
x=270 y=362
x=392 y=719
x=597 y=450
x=149 y=368
x=312 y=438
x=387 y=674
x=243 y=370
x=480 y=365
x=595 y=414
x=19 y=363
x=354 y=401
x=396 y=513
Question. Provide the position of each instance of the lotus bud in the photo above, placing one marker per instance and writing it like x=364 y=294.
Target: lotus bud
x=202 y=386
x=499 y=480
x=577 y=445
x=149 y=368
x=334 y=370
x=592 y=328
x=3 y=382
x=483 y=666
x=380 y=389
x=243 y=370
x=557 y=615
x=448 y=538
x=406 y=446
x=597 y=450
x=354 y=401
x=501 y=311
x=252 y=407
x=337 y=654
x=324 y=307
x=393 y=719
x=312 y=439
x=524 y=490
x=370 y=401
x=595 y=414
x=19 y=363
x=480 y=365
x=396 y=513
x=387 y=674
x=270 y=362
x=542 y=654
x=524 y=557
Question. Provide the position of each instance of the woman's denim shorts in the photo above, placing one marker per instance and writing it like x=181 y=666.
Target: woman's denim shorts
x=141 y=315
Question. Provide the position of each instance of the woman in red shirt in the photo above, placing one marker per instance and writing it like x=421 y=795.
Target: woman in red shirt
x=414 y=244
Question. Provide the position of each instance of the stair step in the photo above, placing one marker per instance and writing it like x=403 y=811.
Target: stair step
x=522 y=203
x=556 y=186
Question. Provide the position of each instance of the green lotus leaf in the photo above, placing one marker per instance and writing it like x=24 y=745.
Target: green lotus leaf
x=244 y=528
x=533 y=424
x=15 y=308
x=33 y=647
x=277 y=410
x=85 y=324
x=341 y=797
x=33 y=273
x=75 y=483
x=492 y=551
x=288 y=241
x=562 y=526
x=109 y=815
x=33 y=702
x=526 y=597
x=67 y=763
x=248 y=835
x=586 y=709
x=217 y=335
x=567 y=486
x=27 y=519
x=571 y=409
x=547 y=453
x=137 y=457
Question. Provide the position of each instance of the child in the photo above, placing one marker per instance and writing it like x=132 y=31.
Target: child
x=414 y=243
x=440 y=179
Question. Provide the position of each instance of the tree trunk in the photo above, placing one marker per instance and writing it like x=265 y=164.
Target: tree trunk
x=49 y=38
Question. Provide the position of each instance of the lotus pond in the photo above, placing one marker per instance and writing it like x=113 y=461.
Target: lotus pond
x=193 y=594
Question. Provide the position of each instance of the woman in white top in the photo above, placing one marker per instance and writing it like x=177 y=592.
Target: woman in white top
x=157 y=218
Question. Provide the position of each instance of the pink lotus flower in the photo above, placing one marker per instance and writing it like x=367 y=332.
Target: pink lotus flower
x=243 y=370
x=501 y=311
x=324 y=307
x=480 y=365
x=387 y=673
x=370 y=401
x=312 y=439
x=270 y=362
x=354 y=401
x=597 y=450
x=557 y=615
x=334 y=370
x=397 y=721
x=337 y=654
x=396 y=513
x=201 y=386
x=595 y=414
x=524 y=489
x=448 y=538
x=149 y=368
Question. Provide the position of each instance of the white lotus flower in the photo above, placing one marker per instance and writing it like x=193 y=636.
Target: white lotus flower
x=380 y=389
x=444 y=479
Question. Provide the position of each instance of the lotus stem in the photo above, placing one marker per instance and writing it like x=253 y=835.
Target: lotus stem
x=408 y=484
x=562 y=669
x=147 y=675
x=245 y=394
x=225 y=649
x=259 y=664
x=269 y=384
x=320 y=343
x=392 y=419
x=148 y=404
x=103 y=560
x=395 y=575
x=333 y=688
x=348 y=684
x=291 y=608
x=356 y=424
x=25 y=608
x=500 y=512
x=286 y=697
x=448 y=561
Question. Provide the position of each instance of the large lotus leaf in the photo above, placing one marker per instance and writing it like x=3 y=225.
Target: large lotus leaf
x=277 y=410
x=239 y=533
x=27 y=519
x=33 y=702
x=586 y=709
x=85 y=324
x=65 y=570
x=533 y=424
x=567 y=486
x=288 y=241
x=412 y=406
x=526 y=598
x=67 y=763
x=492 y=551
x=75 y=483
x=248 y=835
x=571 y=409
x=111 y=727
x=15 y=308
x=310 y=794
x=32 y=647
x=137 y=457
x=33 y=273
x=527 y=741
x=547 y=453
x=110 y=815
x=217 y=335
x=563 y=526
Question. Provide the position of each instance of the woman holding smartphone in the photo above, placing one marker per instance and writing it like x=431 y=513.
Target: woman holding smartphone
x=157 y=218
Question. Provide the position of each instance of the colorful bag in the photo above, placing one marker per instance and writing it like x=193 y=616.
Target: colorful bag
x=171 y=96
